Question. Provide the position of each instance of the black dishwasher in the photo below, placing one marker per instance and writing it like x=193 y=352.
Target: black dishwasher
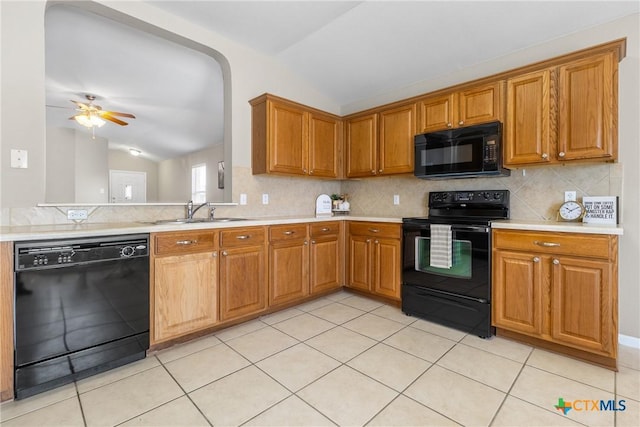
x=81 y=307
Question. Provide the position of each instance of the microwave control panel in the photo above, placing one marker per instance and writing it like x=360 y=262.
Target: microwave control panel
x=490 y=151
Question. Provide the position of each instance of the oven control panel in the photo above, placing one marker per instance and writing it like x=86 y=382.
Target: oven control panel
x=493 y=197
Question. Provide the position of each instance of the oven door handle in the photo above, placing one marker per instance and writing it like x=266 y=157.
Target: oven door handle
x=476 y=228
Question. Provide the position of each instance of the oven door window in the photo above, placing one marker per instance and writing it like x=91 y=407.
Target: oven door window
x=462 y=258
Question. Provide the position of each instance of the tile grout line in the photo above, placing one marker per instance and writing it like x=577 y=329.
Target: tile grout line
x=84 y=419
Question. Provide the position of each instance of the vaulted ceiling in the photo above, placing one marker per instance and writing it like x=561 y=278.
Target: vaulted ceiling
x=348 y=50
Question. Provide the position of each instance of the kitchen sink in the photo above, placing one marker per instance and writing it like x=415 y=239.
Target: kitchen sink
x=192 y=220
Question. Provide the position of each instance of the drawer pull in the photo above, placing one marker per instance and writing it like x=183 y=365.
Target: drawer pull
x=288 y=233
x=224 y=253
x=325 y=229
x=186 y=242
x=536 y=259
x=556 y=262
x=546 y=244
x=243 y=237
x=374 y=230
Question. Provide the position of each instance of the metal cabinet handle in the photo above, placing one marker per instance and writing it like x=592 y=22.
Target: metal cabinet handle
x=306 y=243
x=374 y=230
x=449 y=125
x=376 y=242
x=288 y=233
x=215 y=254
x=544 y=155
x=556 y=261
x=373 y=172
x=536 y=259
x=546 y=244
x=186 y=242
x=368 y=240
x=461 y=122
x=379 y=170
x=313 y=242
x=311 y=172
x=561 y=154
x=243 y=237
x=325 y=229
x=224 y=253
x=304 y=171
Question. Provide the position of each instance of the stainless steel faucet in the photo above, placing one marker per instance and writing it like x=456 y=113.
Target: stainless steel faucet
x=191 y=211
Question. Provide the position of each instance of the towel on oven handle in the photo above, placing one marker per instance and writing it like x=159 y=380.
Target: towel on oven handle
x=441 y=254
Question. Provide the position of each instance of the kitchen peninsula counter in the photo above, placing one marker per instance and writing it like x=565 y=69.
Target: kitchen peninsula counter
x=62 y=231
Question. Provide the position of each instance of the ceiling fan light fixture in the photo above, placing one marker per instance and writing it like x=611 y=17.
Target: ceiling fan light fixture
x=89 y=120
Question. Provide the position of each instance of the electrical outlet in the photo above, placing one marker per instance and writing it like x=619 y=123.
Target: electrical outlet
x=396 y=199
x=76 y=214
x=570 y=196
x=265 y=199
x=243 y=199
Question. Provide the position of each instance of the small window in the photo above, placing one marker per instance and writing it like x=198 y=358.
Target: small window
x=199 y=183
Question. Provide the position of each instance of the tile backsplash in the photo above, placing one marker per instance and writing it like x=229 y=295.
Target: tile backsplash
x=536 y=193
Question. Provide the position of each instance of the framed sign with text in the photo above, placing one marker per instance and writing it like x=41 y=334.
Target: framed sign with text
x=600 y=209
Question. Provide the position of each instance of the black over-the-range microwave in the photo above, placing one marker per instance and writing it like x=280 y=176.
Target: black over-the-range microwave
x=472 y=151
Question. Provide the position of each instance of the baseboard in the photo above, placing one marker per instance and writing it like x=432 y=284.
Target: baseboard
x=629 y=341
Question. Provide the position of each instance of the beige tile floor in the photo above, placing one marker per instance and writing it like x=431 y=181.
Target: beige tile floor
x=340 y=360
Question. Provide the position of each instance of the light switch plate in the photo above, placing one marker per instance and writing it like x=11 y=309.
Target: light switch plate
x=19 y=159
x=570 y=196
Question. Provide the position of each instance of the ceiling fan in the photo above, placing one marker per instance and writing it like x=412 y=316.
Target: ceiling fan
x=90 y=114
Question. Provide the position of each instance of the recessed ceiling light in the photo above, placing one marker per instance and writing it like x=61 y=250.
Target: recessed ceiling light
x=134 y=152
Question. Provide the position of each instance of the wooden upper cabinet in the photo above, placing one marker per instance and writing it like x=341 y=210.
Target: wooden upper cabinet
x=292 y=139
x=529 y=133
x=324 y=137
x=475 y=105
x=361 y=140
x=288 y=134
x=397 y=129
x=381 y=143
x=588 y=99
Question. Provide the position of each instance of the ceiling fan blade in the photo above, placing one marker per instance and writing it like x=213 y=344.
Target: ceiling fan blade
x=57 y=106
x=115 y=113
x=113 y=119
x=81 y=105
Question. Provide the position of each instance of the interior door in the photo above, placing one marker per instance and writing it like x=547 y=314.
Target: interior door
x=127 y=186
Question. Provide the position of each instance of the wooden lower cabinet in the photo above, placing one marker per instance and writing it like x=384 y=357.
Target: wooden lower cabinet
x=6 y=321
x=184 y=279
x=374 y=258
x=186 y=294
x=559 y=288
x=243 y=282
x=325 y=257
x=288 y=263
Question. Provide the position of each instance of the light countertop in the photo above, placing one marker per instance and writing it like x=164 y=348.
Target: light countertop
x=562 y=227
x=65 y=231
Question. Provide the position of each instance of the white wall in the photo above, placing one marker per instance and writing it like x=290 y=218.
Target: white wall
x=122 y=160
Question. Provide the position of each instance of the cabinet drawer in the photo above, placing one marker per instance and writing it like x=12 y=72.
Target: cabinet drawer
x=235 y=237
x=392 y=231
x=325 y=229
x=181 y=242
x=588 y=245
x=278 y=233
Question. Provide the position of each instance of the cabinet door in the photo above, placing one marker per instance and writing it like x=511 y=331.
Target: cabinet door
x=587 y=119
x=360 y=262
x=324 y=139
x=583 y=305
x=242 y=281
x=324 y=264
x=185 y=294
x=288 y=271
x=517 y=292
x=387 y=268
x=528 y=133
x=397 y=129
x=481 y=104
x=362 y=142
x=288 y=135
x=435 y=113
